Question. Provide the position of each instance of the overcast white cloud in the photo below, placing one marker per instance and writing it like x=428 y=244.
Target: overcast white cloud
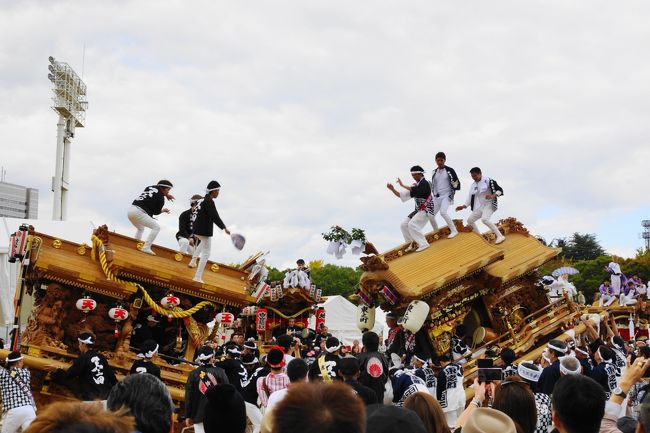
x=303 y=110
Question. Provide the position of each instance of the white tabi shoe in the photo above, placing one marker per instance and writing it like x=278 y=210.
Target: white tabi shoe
x=192 y=263
x=421 y=249
x=499 y=240
x=148 y=251
x=198 y=280
x=452 y=235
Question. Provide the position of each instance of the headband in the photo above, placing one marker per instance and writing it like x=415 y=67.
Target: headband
x=417 y=172
x=333 y=349
x=87 y=340
x=419 y=359
x=565 y=371
x=151 y=353
x=556 y=348
x=584 y=352
x=212 y=189
x=8 y=360
x=204 y=357
x=528 y=373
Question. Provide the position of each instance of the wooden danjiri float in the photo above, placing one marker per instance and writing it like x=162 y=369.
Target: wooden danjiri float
x=490 y=288
x=108 y=287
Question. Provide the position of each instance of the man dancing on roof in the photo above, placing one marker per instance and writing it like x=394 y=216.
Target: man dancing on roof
x=482 y=200
x=444 y=184
x=416 y=220
x=149 y=203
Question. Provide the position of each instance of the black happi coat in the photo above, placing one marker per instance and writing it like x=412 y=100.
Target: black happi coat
x=420 y=192
x=494 y=187
x=195 y=399
x=184 y=225
x=204 y=216
x=142 y=366
x=151 y=201
x=96 y=377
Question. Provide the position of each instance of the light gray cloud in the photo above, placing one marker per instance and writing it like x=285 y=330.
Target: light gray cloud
x=304 y=110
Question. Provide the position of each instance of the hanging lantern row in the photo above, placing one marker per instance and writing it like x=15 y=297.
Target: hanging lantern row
x=18 y=244
x=118 y=314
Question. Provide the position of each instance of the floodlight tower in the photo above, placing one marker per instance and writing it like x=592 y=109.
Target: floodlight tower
x=70 y=103
x=646 y=233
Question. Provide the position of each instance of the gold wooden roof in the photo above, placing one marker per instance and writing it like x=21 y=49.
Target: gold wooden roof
x=446 y=261
x=522 y=254
x=62 y=261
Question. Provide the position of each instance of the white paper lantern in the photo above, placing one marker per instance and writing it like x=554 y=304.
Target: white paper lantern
x=365 y=317
x=415 y=316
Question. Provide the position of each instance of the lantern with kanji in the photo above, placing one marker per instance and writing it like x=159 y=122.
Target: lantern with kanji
x=86 y=305
x=18 y=244
x=225 y=319
x=118 y=314
x=170 y=302
x=365 y=317
x=261 y=320
x=320 y=318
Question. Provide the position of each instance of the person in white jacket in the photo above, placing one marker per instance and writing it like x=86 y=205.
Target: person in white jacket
x=482 y=200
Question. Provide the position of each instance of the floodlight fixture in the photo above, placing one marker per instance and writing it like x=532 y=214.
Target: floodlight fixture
x=70 y=103
x=645 y=235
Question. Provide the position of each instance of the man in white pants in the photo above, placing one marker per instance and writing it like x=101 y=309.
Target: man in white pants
x=17 y=396
x=204 y=216
x=482 y=200
x=151 y=202
x=186 y=241
x=421 y=192
x=444 y=184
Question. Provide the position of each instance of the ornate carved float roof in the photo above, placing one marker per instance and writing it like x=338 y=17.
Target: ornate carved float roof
x=416 y=275
x=522 y=254
x=63 y=261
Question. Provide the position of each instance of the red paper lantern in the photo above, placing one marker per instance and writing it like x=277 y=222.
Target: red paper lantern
x=261 y=319
x=320 y=318
x=118 y=314
x=169 y=302
x=86 y=305
x=18 y=244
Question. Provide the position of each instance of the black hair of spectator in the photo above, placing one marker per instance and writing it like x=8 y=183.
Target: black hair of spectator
x=645 y=352
x=606 y=353
x=297 y=370
x=284 y=341
x=370 y=341
x=579 y=403
x=508 y=356
x=147 y=399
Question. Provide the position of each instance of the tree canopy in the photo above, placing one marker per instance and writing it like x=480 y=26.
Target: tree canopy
x=580 y=247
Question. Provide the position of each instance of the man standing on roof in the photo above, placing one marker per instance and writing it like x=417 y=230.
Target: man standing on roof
x=420 y=191
x=444 y=184
x=187 y=242
x=151 y=202
x=204 y=216
x=482 y=200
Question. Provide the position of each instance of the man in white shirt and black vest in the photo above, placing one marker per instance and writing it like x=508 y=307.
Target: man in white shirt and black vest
x=482 y=200
x=421 y=192
x=444 y=184
x=204 y=216
x=141 y=213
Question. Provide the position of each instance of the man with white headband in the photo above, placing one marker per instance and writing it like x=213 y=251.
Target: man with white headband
x=204 y=217
x=422 y=370
x=95 y=376
x=326 y=366
x=570 y=365
x=413 y=224
x=145 y=364
x=582 y=353
x=482 y=201
x=530 y=373
x=199 y=381
x=550 y=375
x=141 y=213
x=17 y=399
x=186 y=241
x=605 y=371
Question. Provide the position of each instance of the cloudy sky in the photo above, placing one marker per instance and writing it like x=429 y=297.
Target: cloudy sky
x=303 y=110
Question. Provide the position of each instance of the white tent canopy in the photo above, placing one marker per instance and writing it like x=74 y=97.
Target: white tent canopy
x=341 y=320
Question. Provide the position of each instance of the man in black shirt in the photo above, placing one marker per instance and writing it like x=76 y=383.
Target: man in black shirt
x=420 y=191
x=95 y=376
x=373 y=365
x=187 y=242
x=349 y=372
x=204 y=217
x=326 y=366
x=234 y=368
x=149 y=352
x=151 y=202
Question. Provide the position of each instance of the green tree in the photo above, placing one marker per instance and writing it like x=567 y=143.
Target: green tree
x=336 y=280
x=581 y=247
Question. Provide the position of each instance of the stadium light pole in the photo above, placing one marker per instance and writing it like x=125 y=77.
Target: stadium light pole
x=645 y=235
x=70 y=103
